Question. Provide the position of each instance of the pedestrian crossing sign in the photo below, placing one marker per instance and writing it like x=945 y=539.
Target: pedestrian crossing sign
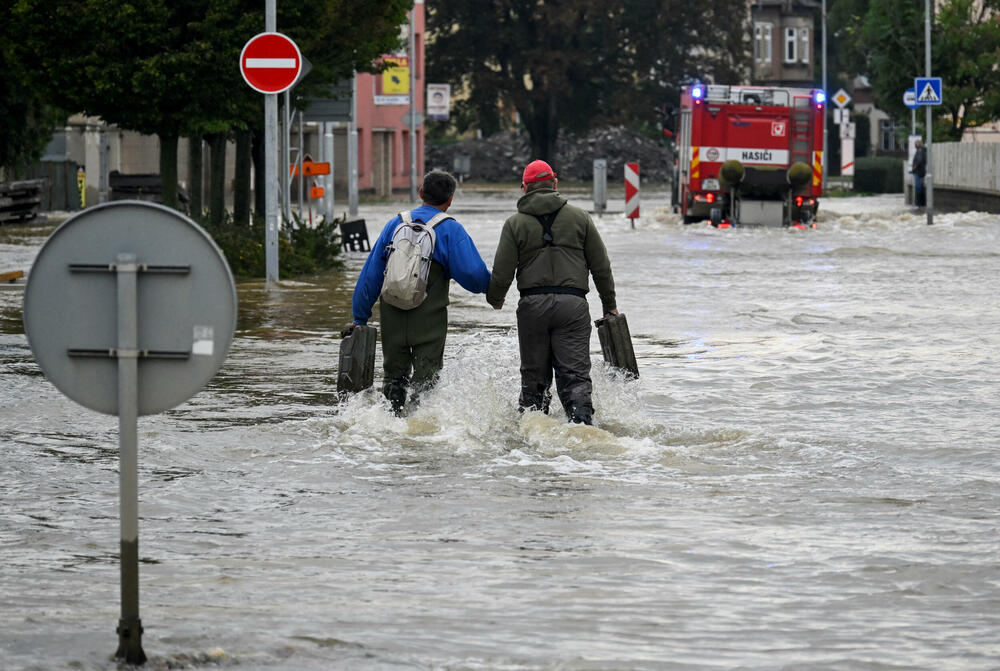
x=928 y=90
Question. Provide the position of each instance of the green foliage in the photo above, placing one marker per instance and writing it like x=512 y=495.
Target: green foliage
x=171 y=68
x=302 y=250
x=26 y=121
x=884 y=40
x=966 y=51
x=878 y=174
x=580 y=63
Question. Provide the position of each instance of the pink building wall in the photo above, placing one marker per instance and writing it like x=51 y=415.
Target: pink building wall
x=381 y=118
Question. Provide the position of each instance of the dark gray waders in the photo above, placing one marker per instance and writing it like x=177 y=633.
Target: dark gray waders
x=553 y=331
x=616 y=343
x=357 y=359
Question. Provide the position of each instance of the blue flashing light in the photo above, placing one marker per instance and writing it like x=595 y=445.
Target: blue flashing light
x=697 y=91
x=820 y=97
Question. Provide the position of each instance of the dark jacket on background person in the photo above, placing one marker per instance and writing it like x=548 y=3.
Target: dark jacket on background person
x=920 y=162
x=577 y=251
x=919 y=170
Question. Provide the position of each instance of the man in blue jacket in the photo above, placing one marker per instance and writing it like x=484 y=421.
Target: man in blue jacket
x=413 y=340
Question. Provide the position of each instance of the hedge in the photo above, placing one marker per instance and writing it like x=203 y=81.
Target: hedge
x=878 y=174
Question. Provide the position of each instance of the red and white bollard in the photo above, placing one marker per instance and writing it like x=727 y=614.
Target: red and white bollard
x=632 y=192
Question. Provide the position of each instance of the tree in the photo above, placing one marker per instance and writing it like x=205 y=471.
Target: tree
x=142 y=65
x=27 y=121
x=884 y=40
x=573 y=63
x=171 y=69
x=966 y=47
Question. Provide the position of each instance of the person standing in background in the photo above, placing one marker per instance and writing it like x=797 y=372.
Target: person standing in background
x=919 y=170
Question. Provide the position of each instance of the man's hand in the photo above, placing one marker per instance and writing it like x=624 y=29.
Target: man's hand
x=497 y=306
x=612 y=312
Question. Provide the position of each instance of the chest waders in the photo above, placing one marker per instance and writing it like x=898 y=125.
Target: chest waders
x=413 y=340
x=553 y=328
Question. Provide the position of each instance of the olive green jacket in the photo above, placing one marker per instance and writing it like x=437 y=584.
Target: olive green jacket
x=576 y=251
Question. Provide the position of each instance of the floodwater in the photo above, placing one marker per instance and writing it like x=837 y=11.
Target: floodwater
x=805 y=476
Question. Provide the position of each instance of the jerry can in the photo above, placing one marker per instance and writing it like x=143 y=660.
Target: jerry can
x=616 y=343
x=356 y=371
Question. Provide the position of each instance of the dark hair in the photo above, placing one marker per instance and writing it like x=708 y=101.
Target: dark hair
x=438 y=187
x=544 y=184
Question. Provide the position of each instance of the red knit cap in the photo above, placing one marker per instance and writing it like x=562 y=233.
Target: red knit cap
x=537 y=171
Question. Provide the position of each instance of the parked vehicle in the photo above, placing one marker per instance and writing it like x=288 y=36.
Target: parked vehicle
x=750 y=155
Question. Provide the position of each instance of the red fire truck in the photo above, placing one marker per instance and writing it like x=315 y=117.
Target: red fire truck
x=750 y=155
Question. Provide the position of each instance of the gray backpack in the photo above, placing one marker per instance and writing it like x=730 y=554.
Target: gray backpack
x=409 y=264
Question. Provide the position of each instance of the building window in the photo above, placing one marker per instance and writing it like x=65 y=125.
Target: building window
x=791 y=45
x=762 y=42
x=804 y=40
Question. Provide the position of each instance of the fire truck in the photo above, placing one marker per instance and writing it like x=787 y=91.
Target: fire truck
x=750 y=155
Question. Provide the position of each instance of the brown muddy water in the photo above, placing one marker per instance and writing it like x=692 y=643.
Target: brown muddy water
x=805 y=476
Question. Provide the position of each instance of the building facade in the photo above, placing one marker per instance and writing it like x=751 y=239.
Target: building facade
x=383 y=101
x=784 y=43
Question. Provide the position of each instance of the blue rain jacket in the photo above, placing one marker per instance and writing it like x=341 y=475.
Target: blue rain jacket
x=454 y=250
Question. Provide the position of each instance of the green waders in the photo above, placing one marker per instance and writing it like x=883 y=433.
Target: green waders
x=413 y=341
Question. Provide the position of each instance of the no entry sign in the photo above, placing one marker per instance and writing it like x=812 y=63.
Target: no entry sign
x=270 y=62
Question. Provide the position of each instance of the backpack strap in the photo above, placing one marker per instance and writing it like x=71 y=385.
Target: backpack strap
x=408 y=220
x=406 y=217
x=546 y=221
x=437 y=219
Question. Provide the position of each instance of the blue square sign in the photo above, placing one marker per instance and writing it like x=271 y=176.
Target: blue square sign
x=928 y=90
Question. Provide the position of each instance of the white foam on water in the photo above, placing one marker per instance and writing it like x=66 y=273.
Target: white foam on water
x=472 y=411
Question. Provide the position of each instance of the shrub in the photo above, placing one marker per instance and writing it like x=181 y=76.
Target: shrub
x=301 y=250
x=878 y=174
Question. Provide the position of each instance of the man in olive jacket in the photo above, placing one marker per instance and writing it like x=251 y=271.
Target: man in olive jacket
x=552 y=247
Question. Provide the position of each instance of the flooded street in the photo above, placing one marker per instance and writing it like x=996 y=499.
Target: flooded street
x=805 y=476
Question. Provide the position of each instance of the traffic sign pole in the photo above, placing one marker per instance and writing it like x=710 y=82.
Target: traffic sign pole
x=87 y=340
x=271 y=163
x=928 y=179
x=271 y=63
x=271 y=187
x=129 y=626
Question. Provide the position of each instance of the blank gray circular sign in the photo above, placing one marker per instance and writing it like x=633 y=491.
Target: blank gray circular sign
x=185 y=305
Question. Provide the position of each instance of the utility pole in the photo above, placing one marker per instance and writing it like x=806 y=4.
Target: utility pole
x=352 y=150
x=928 y=180
x=413 y=105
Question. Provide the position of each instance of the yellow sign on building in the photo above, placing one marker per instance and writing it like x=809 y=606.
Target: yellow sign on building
x=396 y=77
